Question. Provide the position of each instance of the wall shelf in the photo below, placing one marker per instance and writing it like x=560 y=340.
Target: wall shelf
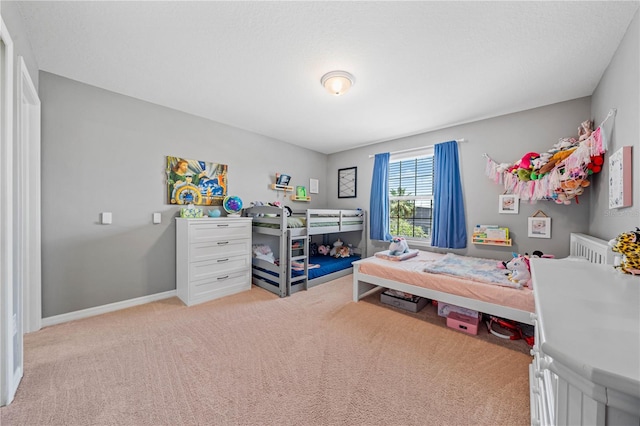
x=489 y=242
x=284 y=188
x=296 y=198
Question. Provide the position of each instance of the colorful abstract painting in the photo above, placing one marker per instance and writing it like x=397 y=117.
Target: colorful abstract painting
x=195 y=182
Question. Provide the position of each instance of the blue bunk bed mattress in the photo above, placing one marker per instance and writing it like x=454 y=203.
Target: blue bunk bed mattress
x=328 y=265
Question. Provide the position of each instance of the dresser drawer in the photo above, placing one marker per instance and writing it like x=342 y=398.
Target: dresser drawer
x=220 y=286
x=218 y=249
x=216 y=268
x=202 y=232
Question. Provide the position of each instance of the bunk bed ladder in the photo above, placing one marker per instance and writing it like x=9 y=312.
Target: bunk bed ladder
x=298 y=256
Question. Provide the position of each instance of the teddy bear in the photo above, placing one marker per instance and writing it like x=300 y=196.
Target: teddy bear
x=398 y=246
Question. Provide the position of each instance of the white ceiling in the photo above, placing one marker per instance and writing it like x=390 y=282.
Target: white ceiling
x=419 y=66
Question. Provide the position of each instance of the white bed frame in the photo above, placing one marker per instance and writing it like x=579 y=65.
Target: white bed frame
x=592 y=249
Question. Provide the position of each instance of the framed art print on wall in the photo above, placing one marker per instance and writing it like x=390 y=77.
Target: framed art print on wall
x=539 y=227
x=347 y=182
x=620 y=178
x=509 y=203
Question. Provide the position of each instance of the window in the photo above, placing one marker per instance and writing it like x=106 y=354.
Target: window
x=411 y=196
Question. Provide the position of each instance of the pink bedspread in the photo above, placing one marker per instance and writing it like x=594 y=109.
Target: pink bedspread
x=411 y=271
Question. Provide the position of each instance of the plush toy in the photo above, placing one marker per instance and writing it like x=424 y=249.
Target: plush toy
x=335 y=247
x=585 y=130
x=323 y=249
x=313 y=249
x=519 y=271
x=343 y=251
x=398 y=246
x=628 y=245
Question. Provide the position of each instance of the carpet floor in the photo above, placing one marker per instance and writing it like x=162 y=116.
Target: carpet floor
x=315 y=358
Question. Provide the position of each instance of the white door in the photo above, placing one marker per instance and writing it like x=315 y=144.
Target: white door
x=10 y=292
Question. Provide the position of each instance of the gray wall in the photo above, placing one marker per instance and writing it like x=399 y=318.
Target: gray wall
x=618 y=89
x=105 y=152
x=505 y=139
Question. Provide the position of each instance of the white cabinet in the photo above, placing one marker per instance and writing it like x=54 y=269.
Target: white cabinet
x=586 y=365
x=213 y=258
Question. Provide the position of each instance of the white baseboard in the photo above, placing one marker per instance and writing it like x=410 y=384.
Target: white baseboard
x=97 y=310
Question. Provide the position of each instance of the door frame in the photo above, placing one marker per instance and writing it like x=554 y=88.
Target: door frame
x=9 y=378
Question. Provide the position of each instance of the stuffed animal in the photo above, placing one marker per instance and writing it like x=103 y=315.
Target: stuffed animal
x=335 y=248
x=519 y=271
x=628 y=245
x=343 y=251
x=398 y=246
x=323 y=249
x=585 y=130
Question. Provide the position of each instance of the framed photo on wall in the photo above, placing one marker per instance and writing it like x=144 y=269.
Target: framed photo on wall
x=539 y=227
x=509 y=203
x=347 y=182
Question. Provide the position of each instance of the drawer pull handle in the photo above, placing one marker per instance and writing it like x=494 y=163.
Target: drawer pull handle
x=222 y=225
x=223 y=278
x=223 y=260
x=221 y=243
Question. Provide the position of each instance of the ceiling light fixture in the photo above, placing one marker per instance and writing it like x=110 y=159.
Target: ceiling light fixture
x=337 y=82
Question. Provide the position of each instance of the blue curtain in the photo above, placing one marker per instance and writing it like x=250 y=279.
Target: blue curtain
x=379 y=203
x=449 y=225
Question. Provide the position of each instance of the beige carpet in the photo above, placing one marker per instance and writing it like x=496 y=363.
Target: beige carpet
x=315 y=358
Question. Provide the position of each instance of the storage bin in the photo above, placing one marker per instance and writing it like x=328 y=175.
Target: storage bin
x=413 y=304
x=463 y=323
x=444 y=309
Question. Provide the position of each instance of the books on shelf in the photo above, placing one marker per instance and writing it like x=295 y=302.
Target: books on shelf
x=491 y=234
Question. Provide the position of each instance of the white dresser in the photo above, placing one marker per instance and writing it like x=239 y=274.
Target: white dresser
x=213 y=258
x=586 y=366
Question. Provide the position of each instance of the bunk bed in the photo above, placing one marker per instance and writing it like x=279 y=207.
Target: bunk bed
x=290 y=236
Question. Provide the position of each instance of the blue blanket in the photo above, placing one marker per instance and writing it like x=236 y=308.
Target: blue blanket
x=473 y=268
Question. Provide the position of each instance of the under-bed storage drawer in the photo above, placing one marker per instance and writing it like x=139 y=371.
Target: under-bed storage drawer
x=213 y=258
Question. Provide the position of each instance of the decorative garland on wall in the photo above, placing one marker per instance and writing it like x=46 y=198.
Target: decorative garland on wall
x=561 y=173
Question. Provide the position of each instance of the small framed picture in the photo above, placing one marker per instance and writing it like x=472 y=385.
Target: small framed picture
x=347 y=182
x=539 y=227
x=313 y=186
x=509 y=203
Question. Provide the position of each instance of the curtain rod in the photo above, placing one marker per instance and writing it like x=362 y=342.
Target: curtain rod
x=414 y=149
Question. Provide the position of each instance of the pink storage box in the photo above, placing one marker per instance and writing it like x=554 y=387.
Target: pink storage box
x=463 y=323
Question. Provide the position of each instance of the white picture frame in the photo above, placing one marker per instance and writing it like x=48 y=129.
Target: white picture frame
x=620 y=178
x=313 y=186
x=539 y=227
x=508 y=204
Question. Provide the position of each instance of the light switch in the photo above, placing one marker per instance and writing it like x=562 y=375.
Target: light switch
x=106 y=218
x=157 y=218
